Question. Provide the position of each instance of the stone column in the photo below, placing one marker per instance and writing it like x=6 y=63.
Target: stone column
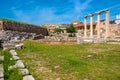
x=91 y=26
x=85 y=27
x=98 y=26
x=107 y=24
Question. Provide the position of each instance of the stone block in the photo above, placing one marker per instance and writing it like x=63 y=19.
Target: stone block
x=13 y=53
x=1 y=58
x=1 y=71
x=88 y=40
x=16 y=57
x=1 y=78
x=24 y=72
x=28 y=77
x=21 y=45
x=20 y=64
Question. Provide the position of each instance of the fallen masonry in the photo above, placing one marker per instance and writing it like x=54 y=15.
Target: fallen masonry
x=15 y=36
x=10 y=39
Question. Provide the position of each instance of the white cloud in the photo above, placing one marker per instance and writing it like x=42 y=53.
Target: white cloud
x=48 y=15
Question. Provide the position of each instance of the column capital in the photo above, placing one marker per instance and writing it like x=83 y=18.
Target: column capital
x=91 y=15
x=107 y=11
x=98 y=13
x=85 y=17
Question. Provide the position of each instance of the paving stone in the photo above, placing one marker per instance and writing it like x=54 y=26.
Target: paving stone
x=16 y=58
x=1 y=71
x=28 y=77
x=1 y=58
x=13 y=52
x=20 y=64
x=24 y=71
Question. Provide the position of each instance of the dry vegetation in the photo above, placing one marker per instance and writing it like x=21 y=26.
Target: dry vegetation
x=72 y=62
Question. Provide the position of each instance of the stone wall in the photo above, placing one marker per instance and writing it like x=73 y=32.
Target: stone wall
x=115 y=29
x=1 y=25
x=29 y=28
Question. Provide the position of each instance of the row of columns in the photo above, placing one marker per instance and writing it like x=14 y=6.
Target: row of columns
x=98 y=24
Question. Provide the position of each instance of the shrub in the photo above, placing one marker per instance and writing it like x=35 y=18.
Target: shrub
x=58 y=30
x=71 y=29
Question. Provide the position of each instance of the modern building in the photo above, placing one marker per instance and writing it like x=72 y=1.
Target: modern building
x=117 y=19
x=51 y=27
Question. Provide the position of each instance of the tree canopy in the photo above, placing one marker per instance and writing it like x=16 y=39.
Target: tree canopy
x=71 y=29
x=57 y=30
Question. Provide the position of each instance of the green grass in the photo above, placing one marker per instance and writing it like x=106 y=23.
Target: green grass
x=12 y=74
x=18 y=22
x=113 y=41
x=72 y=62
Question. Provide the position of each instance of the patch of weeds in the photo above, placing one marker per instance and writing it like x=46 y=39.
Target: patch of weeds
x=10 y=74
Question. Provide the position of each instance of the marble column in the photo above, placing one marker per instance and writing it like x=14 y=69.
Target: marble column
x=91 y=26
x=107 y=24
x=85 y=27
x=98 y=25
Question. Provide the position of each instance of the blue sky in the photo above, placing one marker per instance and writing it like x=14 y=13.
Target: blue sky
x=55 y=11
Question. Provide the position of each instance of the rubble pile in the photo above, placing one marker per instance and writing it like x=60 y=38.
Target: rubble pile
x=11 y=39
x=15 y=35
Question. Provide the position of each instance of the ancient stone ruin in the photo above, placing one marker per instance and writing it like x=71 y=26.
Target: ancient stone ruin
x=22 y=27
x=12 y=31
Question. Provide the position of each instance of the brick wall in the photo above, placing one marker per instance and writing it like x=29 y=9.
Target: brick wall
x=29 y=28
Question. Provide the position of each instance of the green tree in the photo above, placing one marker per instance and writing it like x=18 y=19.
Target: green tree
x=57 y=30
x=71 y=29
